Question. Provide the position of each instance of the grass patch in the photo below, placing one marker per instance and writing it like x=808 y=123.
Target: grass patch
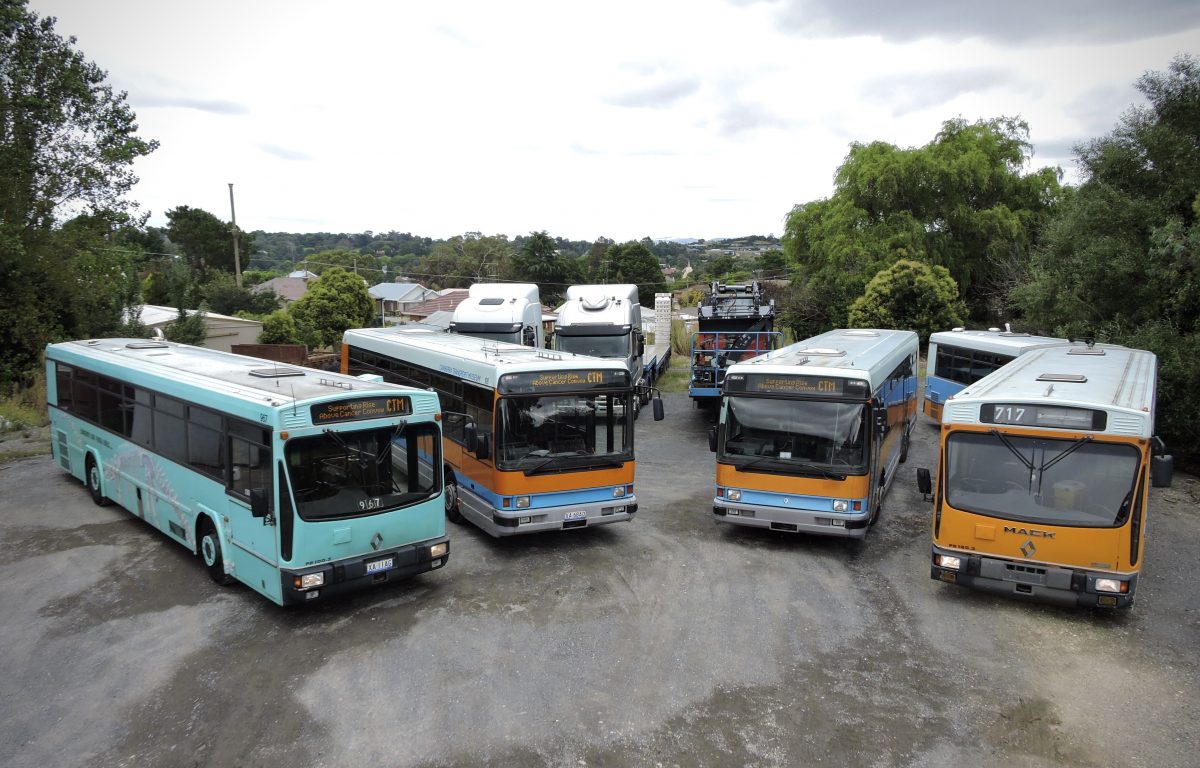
x=24 y=407
x=24 y=453
x=677 y=377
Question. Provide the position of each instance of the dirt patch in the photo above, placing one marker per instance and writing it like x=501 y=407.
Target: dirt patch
x=24 y=443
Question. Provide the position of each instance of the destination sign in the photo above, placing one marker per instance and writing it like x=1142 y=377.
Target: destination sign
x=561 y=381
x=361 y=408
x=1028 y=415
x=793 y=384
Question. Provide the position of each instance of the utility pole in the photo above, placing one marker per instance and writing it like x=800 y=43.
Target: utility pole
x=237 y=259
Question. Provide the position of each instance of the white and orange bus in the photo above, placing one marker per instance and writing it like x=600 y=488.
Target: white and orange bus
x=533 y=440
x=1043 y=477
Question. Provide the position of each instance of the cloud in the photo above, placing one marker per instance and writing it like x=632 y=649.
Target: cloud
x=283 y=153
x=914 y=92
x=1017 y=22
x=658 y=95
x=739 y=118
x=214 y=106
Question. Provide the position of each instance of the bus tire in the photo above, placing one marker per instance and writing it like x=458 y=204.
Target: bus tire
x=94 y=483
x=453 y=514
x=210 y=552
x=904 y=448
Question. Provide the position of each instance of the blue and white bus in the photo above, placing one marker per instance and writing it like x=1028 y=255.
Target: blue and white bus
x=299 y=483
x=958 y=358
x=534 y=440
x=811 y=436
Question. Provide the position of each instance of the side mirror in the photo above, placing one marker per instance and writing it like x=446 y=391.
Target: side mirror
x=1162 y=464
x=712 y=439
x=924 y=482
x=483 y=448
x=259 y=502
x=471 y=437
x=641 y=345
x=881 y=425
x=659 y=413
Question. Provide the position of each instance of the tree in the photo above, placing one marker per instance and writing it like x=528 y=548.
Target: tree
x=223 y=296
x=188 y=327
x=538 y=261
x=1121 y=261
x=67 y=145
x=279 y=328
x=339 y=300
x=960 y=201
x=205 y=240
x=633 y=262
x=909 y=295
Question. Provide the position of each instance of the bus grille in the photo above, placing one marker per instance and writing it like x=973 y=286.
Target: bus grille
x=962 y=413
x=64 y=455
x=1125 y=425
x=295 y=420
x=425 y=405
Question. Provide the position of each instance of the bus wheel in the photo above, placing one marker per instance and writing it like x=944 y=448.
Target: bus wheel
x=93 y=483
x=452 y=501
x=210 y=550
x=904 y=448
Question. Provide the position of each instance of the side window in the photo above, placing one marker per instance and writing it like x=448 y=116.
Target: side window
x=62 y=378
x=249 y=457
x=205 y=442
x=170 y=431
x=142 y=428
x=115 y=414
x=83 y=394
x=478 y=405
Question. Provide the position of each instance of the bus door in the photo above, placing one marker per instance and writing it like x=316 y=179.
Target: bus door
x=252 y=471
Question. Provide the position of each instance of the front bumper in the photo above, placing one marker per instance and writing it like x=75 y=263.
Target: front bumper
x=851 y=525
x=1068 y=587
x=349 y=575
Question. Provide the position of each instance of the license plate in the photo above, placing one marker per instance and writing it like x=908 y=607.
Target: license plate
x=379 y=566
x=574 y=515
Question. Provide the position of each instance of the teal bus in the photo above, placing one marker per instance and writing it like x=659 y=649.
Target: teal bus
x=301 y=484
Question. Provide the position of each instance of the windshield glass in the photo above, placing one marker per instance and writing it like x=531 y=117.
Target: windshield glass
x=347 y=474
x=596 y=346
x=796 y=432
x=1039 y=480
x=556 y=432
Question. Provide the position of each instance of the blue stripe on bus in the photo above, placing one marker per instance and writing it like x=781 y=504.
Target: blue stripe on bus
x=939 y=390
x=797 y=501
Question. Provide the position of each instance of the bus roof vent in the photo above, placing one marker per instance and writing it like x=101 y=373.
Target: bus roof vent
x=861 y=332
x=1073 y=378
x=146 y=345
x=594 y=304
x=491 y=302
x=275 y=373
x=824 y=352
x=1085 y=351
x=1013 y=334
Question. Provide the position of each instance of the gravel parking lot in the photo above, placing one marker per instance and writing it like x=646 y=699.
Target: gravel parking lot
x=667 y=641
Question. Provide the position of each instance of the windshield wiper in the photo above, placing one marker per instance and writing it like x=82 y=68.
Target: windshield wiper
x=784 y=466
x=387 y=446
x=564 y=461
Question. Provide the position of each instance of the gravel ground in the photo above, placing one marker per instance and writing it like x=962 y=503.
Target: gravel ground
x=667 y=641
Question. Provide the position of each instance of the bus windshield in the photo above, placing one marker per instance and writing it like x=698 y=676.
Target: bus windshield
x=557 y=432
x=1041 y=480
x=796 y=433
x=596 y=346
x=354 y=473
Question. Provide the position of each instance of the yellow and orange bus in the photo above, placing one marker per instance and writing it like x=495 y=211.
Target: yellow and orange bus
x=1043 y=477
x=533 y=440
x=811 y=435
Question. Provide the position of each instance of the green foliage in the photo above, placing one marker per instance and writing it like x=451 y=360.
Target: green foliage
x=365 y=265
x=634 y=262
x=25 y=406
x=538 y=261
x=205 y=240
x=1122 y=260
x=187 y=328
x=279 y=328
x=67 y=144
x=909 y=295
x=465 y=259
x=339 y=300
x=224 y=297
x=960 y=201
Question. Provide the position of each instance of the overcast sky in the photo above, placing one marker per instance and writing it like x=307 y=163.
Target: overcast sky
x=697 y=118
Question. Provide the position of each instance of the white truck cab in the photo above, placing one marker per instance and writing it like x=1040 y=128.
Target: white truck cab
x=510 y=312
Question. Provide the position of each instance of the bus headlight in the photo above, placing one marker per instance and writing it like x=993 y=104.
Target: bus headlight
x=733 y=494
x=948 y=561
x=522 y=502
x=309 y=580
x=1111 y=585
x=618 y=492
x=840 y=505
x=439 y=550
